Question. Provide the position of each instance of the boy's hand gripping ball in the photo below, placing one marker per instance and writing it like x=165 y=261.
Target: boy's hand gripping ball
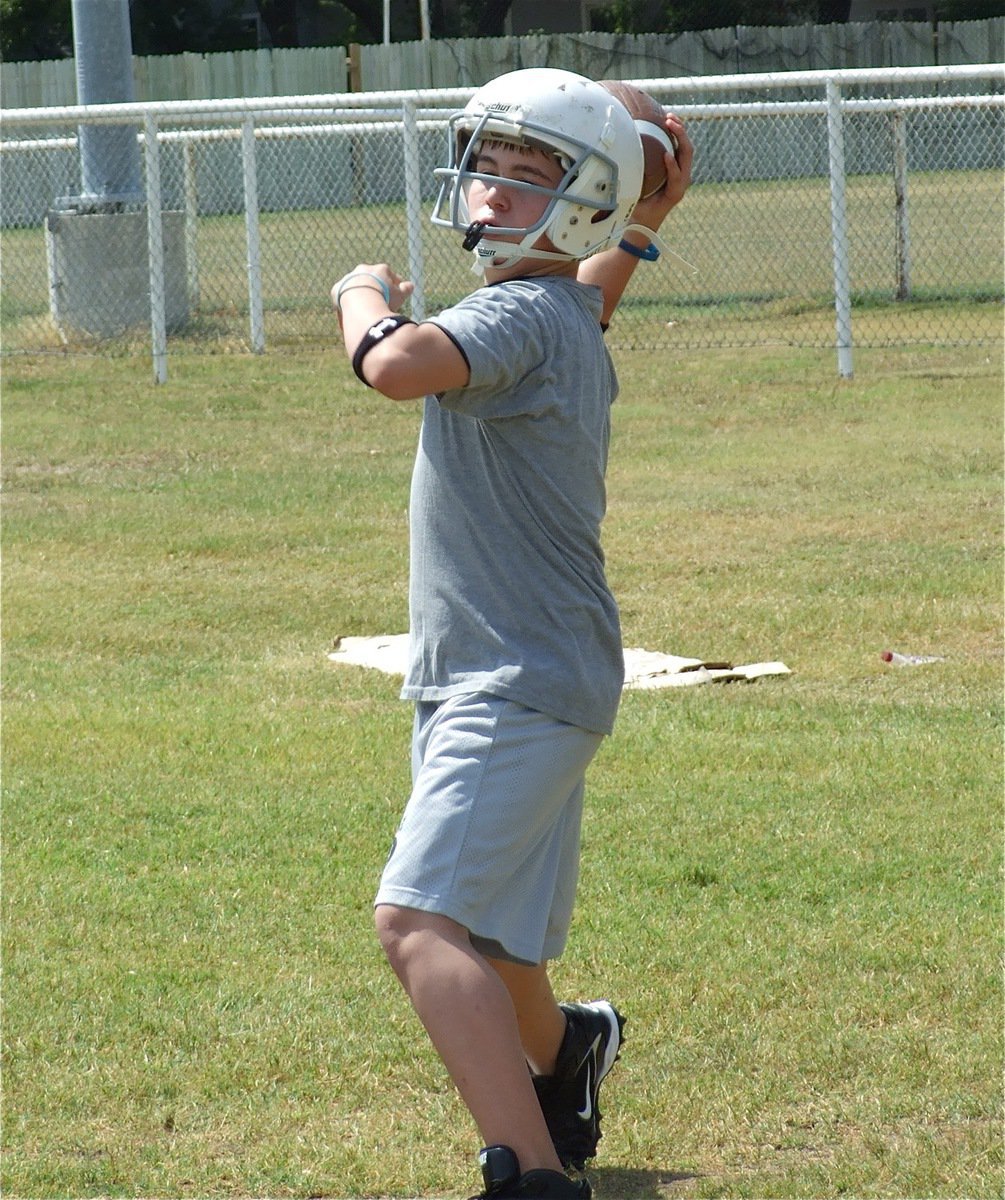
x=646 y=111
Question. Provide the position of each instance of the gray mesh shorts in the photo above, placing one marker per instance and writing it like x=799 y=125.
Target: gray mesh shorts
x=490 y=834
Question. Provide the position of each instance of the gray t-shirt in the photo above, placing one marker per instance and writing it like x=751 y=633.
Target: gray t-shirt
x=508 y=593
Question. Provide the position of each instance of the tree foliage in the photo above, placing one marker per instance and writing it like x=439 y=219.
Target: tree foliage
x=43 y=29
x=679 y=16
x=969 y=10
x=202 y=26
x=32 y=30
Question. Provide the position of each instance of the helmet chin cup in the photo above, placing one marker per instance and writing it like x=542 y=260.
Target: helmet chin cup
x=593 y=137
x=496 y=253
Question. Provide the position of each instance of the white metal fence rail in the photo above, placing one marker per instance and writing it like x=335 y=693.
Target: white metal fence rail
x=824 y=203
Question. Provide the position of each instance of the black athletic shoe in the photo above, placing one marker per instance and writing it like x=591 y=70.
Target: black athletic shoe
x=569 y=1098
x=503 y=1180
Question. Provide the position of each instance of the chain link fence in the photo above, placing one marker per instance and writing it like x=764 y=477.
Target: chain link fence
x=860 y=207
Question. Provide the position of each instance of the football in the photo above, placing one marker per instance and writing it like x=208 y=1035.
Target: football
x=645 y=111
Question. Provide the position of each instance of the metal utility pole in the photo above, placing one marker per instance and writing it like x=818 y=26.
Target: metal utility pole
x=109 y=154
x=115 y=258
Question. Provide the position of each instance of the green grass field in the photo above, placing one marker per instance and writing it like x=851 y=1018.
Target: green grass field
x=792 y=887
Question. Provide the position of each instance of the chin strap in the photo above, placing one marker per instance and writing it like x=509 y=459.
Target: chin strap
x=654 y=237
x=485 y=253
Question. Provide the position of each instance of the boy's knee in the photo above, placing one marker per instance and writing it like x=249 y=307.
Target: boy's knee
x=408 y=932
x=395 y=926
x=387 y=925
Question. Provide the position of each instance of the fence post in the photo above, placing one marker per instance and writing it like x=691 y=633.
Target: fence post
x=191 y=222
x=413 y=207
x=839 y=229
x=899 y=128
x=254 y=239
x=355 y=68
x=155 y=249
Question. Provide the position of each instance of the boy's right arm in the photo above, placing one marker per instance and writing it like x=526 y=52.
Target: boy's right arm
x=408 y=361
x=611 y=270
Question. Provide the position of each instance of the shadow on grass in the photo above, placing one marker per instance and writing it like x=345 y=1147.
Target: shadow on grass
x=619 y=1183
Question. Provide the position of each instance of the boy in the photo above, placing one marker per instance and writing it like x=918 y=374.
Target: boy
x=516 y=666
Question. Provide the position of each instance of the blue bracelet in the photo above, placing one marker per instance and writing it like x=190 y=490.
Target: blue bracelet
x=649 y=254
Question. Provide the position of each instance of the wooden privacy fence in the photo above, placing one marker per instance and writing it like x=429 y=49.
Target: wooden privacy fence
x=464 y=62
x=734 y=50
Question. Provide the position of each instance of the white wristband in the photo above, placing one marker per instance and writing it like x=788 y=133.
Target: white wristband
x=385 y=291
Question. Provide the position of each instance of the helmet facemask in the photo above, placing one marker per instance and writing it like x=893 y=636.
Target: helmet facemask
x=585 y=209
x=508 y=242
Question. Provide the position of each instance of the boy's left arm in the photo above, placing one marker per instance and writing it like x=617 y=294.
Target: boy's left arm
x=610 y=270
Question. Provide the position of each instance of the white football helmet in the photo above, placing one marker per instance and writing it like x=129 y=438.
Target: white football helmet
x=592 y=136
